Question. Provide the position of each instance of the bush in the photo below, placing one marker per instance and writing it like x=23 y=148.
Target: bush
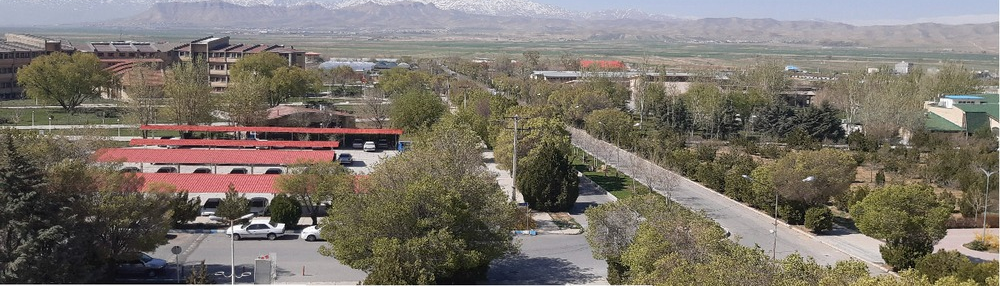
x=844 y=201
x=711 y=175
x=977 y=245
x=792 y=213
x=184 y=209
x=234 y=205
x=706 y=153
x=941 y=264
x=819 y=219
x=286 y=210
x=771 y=151
x=903 y=256
x=880 y=178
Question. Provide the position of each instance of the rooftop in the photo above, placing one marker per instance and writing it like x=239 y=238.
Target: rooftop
x=216 y=156
x=214 y=183
x=935 y=122
x=305 y=130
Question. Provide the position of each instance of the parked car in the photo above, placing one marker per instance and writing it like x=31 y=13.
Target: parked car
x=345 y=159
x=167 y=170
x=274 y=171
x=369 y=146
x=358 y=144
x=140 y=263
x=382 y=144
x=257 y=229
x=258 y=205
x=311 y=233
x=131 y=170
x=239 y=171
x=210 y=206
x=202 y=170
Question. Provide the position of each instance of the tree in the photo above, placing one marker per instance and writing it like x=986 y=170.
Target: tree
x=287 y=82
x=415 y=110
x=726 y=121
x=64 y=79
x=128 y=220
x=285 y=209
x=704 y=100
x=246 y=101
x=541 y=126
x=610 y=124
x=144 y=97
x=341 y=74
x=315 y=183
x=548 y=181
x=832 y=171
x=431 y=215
x=182 y=208
x=374 y=108
x=819 y=219
x=953 y=78
x=882 y=102
x=188 y=88
x=908 y=217
x=263 y=65
x=399 y=82
x=234 y=205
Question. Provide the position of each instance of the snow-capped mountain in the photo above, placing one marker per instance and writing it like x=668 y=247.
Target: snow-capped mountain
x=478 y=7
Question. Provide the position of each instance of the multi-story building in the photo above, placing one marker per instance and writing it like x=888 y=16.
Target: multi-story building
x=221 y=55
x=113 y=53
x=16 y=51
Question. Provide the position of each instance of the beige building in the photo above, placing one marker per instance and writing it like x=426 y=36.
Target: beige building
x=222 y=55
x=16 y=51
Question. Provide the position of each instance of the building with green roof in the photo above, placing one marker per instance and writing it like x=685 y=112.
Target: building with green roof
x=963 y=113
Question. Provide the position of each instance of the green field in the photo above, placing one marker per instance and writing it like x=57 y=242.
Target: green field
x=670 y=54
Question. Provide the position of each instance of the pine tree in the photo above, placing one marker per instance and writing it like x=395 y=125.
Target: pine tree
x=234 y=205
x=547 y=181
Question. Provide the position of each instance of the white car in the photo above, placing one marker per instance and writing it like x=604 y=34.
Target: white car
x=369 y=146
x=311 y=233
x=257 y=228
x=211 y=205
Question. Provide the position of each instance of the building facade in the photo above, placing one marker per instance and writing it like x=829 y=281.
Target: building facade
x=221 y=55
x=16 y=51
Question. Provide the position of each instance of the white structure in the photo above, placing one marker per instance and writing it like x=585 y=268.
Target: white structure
x=903 y=67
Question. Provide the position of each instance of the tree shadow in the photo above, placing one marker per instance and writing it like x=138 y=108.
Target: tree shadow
x=523 y=270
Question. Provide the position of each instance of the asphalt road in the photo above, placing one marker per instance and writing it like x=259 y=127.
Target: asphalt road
x=750 y=227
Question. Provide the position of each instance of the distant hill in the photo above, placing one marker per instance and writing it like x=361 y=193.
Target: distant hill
x=609 y=25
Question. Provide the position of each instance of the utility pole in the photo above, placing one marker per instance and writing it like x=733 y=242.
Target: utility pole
x=513 y=172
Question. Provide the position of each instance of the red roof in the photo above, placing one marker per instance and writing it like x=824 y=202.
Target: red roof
x=214 y=183
x=234 y=143
x=205 y=128
x=602 y=64
x=200 y=156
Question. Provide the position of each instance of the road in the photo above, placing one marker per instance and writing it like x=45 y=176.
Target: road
x=751 y=227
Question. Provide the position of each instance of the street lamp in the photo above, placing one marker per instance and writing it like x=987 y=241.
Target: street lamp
x=50 y=123
x=232 y=245
x=986 y=198
x=774 y=245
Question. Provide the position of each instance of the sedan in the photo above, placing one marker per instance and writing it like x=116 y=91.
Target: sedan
x=345 y=159
x=311 y=233
x=140 y=263
x=258 y=229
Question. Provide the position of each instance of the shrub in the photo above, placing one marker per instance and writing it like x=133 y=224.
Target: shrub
x=819 y=219
x=904 y=255
x=771 y=151
x=711 y=175
x=792 y=213
x=234 y=205
x=941 y=264
x=184 y=209
x=706 y=153
x=549 y=183
x=286 y=210
x=977 y=245
x=880 y=178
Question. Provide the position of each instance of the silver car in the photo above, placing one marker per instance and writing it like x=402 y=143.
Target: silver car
x=141 y=263
x=257 y=229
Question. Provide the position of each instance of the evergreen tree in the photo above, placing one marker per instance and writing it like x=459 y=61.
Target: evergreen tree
x=674 y=115
x=285 y=209
x=547 y=181
x=234 y=206
x=727 y=122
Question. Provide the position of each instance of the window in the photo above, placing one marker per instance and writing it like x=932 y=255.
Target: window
x=131 y=55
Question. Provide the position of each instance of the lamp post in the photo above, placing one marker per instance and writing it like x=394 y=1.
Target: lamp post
x=232 y=245
x=50 y=123
x=986 y=198
x=774 y=245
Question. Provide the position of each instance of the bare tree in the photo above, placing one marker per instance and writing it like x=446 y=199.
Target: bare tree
x=374 y=108
x=143 y=94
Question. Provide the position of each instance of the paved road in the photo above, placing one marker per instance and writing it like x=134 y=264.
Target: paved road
x=550 y=260
x=955 y=239
x=750 y=226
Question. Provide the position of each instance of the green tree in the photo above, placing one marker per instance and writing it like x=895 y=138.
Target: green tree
x=399 y=82
x=183 y=209
x=288 y=82
x=819 y=219
x=548 y=181
x=610 y=124
x=234 y=205
x=314 y=183
x=431 y=215
x=188 y=88
x=539 y=127
x=246 y=101
x=953 y=78
x=263 y=65
x=128 y=220
x=64 y=79
x=908 y=217
x=285 y=209
x=415 y=110
x=832 y=172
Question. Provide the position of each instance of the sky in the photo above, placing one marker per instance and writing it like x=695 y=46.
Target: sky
x=858 y=12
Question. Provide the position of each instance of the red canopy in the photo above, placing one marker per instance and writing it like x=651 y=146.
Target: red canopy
x=200 y=156
x=234 y=143
x=205 y=128
x=214 y=183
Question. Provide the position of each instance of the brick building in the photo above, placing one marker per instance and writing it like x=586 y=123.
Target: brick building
x=222 y=55
x=16 y=51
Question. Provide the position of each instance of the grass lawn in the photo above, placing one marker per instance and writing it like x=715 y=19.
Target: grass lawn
x=22 y=117
x=618 y=184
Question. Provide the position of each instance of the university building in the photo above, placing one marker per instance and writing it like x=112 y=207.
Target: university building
x=221 y=55
x=16 y=51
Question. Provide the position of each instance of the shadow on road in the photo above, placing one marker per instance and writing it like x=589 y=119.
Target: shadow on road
x=521 y=270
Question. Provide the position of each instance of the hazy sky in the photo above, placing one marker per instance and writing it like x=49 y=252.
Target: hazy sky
x=863 y=12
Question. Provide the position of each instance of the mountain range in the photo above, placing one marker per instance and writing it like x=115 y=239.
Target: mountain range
x=509 y=19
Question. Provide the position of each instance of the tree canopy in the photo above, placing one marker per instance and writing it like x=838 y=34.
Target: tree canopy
x=431 y=215
x=188 y=88
x=315 y=183
x=63 y=79
x=908 y=217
